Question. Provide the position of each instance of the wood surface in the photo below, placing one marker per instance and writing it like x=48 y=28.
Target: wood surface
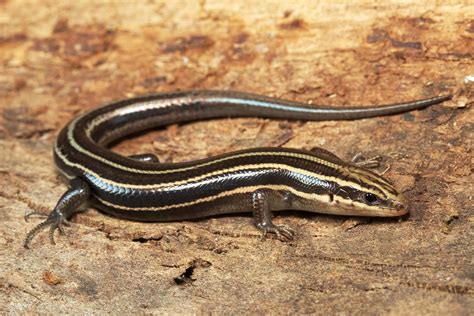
x=59 y=58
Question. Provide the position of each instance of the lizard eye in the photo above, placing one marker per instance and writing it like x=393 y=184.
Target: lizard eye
x=370 y=198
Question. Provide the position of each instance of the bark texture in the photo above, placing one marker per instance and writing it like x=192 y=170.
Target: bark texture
x=60 y=58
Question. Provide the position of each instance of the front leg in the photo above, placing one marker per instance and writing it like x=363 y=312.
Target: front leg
x=263 y=217
x=68 y=204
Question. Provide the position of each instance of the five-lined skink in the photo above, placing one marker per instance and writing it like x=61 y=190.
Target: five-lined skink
x=257 y=180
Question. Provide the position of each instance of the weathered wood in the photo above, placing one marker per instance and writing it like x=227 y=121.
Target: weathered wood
x=57 y=59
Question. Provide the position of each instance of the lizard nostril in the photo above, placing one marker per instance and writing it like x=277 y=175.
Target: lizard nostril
x=401 y=208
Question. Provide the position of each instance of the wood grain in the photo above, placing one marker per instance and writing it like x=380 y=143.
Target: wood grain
x=60 y=58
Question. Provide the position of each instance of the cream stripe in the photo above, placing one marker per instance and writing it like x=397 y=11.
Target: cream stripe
x=144 y=106
x=175 y=170
x=366 y=173
x=364 y=176
x=237 y=168
x=353 y=205
x=133 y=108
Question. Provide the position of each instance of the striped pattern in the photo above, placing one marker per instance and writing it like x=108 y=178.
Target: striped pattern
x=317 y=181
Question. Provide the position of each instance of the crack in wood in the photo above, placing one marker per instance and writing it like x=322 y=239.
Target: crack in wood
x=448 y=288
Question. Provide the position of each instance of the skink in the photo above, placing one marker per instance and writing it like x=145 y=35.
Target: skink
x=258 y=180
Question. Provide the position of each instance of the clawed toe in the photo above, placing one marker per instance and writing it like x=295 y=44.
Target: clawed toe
x=54 y=221
x=51 y=233
x=39 y=214
x=369 y=163
x=282 y=233
x=286 y=233
x=68 y=204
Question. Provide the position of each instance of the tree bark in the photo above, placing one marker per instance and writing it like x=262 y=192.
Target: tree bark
x=58 y=59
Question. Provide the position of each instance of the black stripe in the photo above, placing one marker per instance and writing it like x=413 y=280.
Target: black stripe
x=210 y=187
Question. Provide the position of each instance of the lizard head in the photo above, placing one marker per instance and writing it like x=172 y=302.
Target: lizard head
x=365 y=193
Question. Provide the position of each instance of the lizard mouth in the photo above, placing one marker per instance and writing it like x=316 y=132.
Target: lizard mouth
x=400 y=206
